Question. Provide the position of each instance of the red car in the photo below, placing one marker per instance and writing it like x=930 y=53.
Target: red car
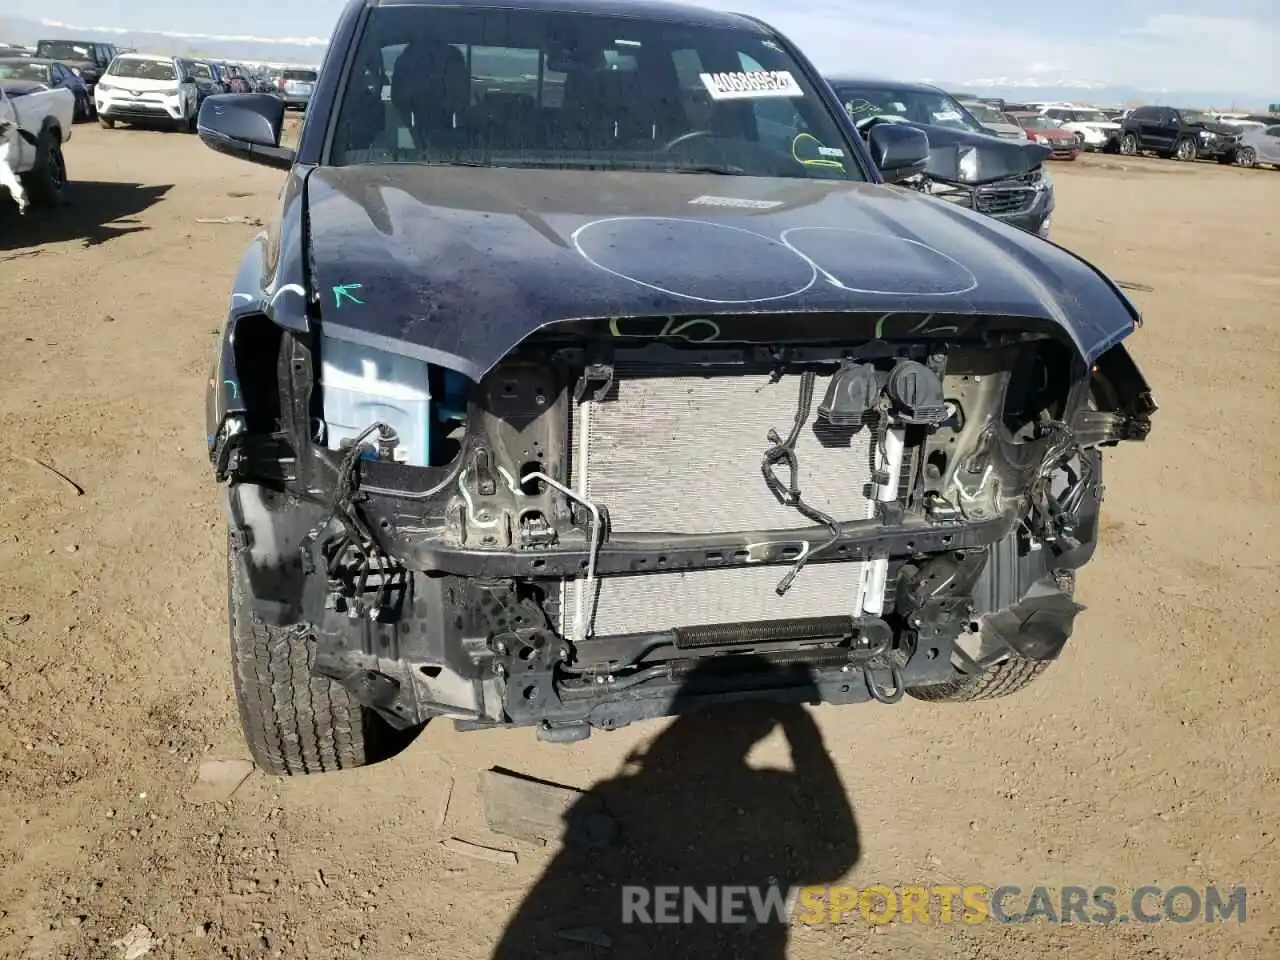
x=1065 y=144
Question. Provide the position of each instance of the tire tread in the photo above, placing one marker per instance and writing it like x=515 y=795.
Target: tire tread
x=999 y=680
x=294 y=722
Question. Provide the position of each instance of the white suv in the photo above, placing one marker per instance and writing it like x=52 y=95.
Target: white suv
x=140 y=88
x=1090 y=126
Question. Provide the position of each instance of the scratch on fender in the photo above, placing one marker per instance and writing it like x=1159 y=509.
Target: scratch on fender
x=923 y=327
x=670 y=329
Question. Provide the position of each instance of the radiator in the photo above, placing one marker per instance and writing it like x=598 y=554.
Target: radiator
x=682 y=455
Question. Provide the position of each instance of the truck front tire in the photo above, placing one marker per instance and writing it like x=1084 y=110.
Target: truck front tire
x=294 y=722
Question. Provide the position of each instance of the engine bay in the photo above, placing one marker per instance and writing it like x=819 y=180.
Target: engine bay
x=607 y=517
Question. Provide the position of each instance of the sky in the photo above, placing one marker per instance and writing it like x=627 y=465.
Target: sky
x=1156 y=45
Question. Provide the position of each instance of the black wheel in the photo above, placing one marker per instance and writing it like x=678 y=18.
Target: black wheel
x=1247 y=157
x=105 y=123
x=1129 y=145
x=1185 y=150
x=1008 y=676
x=47 y=181
x=293 y=722
x=999 y=586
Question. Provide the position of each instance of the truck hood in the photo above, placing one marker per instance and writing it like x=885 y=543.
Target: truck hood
x=459 y=265
x=140 y=84
x=1003 y=129
x=1055 y=134
x=1213 y=126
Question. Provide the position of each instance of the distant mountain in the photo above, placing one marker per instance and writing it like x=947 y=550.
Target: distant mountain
x=308 y=50
x=1087 y=91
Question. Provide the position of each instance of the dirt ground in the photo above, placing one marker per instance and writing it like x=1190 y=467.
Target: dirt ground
x=1148 y=754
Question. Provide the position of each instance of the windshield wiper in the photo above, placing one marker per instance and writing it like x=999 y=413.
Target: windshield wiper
x=725 y=169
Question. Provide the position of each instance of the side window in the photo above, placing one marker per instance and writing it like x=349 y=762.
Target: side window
x=503 y=70
x=621 y=60
x=1273 y=131
x=694 y=99
x=777 y=119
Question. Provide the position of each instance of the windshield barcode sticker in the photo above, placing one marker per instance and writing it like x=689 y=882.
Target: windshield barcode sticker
x=751 y=84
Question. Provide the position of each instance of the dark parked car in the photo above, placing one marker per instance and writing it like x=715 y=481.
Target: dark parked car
x=88 y=59
x=1177 y=132
x=1024 y=200
x=209 y=78
x=568 y=375
x=53 y=75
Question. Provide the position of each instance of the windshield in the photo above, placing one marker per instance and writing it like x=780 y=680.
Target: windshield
x=202 y=70
x=917 y=106
x=1090 y=116
x=582 y=91
x=985 y=113
x=307 y=76
x=20 y=70
x=143 y=69
x=1195 y=116
x=63 y=50
x=1037 y=121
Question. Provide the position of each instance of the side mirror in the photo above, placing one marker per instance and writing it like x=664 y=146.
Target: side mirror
x=245 y=125
x=899 y=151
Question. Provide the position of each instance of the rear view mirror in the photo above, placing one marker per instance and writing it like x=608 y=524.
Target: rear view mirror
x=899 y=151
x=245 y=125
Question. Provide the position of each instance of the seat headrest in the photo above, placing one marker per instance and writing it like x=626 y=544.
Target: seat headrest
x=430 y=78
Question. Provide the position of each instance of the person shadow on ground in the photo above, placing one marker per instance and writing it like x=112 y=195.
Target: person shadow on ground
x=690 y=813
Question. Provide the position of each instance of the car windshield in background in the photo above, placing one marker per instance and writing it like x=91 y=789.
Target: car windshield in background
x=62 y=50
x=144 y=69
x=1038 y=122
x=1195 y=116
x=582 y=91
x=203 y=71
x=21 y=70
x=1090 y=116
x=985 y=114
x=916 y=106
x=306 y=76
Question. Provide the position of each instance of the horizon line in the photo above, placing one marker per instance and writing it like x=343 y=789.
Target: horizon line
x=183 y=35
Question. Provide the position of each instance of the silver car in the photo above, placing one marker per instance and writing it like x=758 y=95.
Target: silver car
x=994 y=121
x=1259 y=145
x=295 y=85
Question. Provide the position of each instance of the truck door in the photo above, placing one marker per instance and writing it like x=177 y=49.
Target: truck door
x=1167 y=128
x=23 y=159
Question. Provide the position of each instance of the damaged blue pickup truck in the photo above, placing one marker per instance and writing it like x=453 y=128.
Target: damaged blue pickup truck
x=596 y=368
